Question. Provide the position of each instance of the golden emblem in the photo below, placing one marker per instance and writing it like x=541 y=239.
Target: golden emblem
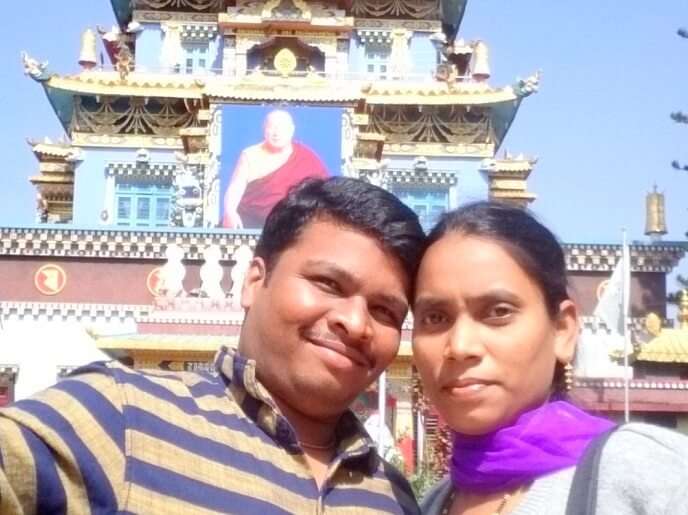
x=285 y=62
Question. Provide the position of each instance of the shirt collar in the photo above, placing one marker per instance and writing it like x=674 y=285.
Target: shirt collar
x=255 y=400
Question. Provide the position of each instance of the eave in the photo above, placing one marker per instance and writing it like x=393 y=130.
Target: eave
x=123 y=11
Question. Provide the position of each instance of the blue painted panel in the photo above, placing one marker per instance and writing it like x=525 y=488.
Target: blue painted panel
x=423 y=54
x=429 y=203
x=142 y=204
x=356 y=56
x=149 y=47
x=90 y=181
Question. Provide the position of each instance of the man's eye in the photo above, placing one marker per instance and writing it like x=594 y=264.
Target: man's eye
x=387 y=315
x=328 y=284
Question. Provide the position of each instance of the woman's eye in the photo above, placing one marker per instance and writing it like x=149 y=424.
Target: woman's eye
x=435 y=318
x=499 y=312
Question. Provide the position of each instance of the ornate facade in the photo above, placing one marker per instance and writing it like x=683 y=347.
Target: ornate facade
x=127 y=259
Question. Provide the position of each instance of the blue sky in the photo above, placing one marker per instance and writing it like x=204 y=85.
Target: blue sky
x=600 y=126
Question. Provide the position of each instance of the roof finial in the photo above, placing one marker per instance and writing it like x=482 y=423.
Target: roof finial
x=88 y=57
x=655 y=223
x=683 y=309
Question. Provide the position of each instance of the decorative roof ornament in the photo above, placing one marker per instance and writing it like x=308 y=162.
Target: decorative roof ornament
x=287 y=9
x=655 y=222
x=285 y=62
x=88 y=57
x=125 y=61
x=480 y=64
x=683 y=310
x=528 y=86
x=33 y=68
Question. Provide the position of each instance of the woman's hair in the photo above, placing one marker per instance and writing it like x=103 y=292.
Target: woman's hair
x=527 y=241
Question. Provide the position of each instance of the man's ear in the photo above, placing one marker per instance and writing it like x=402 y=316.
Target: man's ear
x=254 y=280
x=566 y=331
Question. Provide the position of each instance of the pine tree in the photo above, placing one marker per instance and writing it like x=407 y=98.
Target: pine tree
x=679 y=117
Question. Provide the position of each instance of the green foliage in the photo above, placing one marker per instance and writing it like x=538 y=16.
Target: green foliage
x=673 y=298
x=423 y=480
x=678 y=116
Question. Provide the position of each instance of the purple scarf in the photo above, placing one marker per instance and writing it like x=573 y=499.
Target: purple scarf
x=543 y=440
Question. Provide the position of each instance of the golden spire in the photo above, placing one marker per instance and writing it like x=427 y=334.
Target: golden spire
x=655 y=224
x=683 y=310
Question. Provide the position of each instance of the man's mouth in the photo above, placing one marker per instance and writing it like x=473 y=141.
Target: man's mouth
x=336 y=345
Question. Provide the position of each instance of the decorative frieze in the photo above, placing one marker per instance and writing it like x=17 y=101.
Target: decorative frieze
x=185 y=17
x=634 y=384
x=106 y=243
x=198 y=33
x=422 y=177
x=375 y=36
x=87 y=139
x=141 y=169
x=412 y=25
x=603 y=257
x=431 y=124
x=414 y=9
x=181 y=5
x=70 y=311
x=132 y=115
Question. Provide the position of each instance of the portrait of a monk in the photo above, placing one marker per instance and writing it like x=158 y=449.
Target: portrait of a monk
x=265 y=171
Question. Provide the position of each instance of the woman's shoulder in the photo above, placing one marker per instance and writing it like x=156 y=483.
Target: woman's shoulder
x=644 y=466
x=646 y=442
x=433 y=501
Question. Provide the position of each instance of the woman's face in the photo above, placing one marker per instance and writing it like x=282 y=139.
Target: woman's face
x=483 y=341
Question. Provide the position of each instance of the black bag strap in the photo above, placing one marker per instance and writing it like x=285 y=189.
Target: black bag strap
x=583 y=494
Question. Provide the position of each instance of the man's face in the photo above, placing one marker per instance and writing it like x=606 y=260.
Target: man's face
x=326 y=321
x=279 y=130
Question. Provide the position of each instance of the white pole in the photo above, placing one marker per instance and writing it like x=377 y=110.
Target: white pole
x=420 y=442
x=381 y=408
x=626 y=295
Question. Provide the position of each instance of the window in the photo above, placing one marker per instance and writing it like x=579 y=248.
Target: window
x=377 y=59
x=196 y=58
x=143 y=204
x=428 y=204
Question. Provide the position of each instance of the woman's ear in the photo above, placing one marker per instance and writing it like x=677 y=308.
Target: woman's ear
x=254 y=280
x=566 y=331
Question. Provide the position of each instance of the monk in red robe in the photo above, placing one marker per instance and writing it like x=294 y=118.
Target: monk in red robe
x=265 y=172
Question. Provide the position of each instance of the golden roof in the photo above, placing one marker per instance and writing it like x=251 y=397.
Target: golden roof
x=135 y=84
x=258 y=86
x=437 y=93
x=165 y=342
x=47 y=148
x=670 y=346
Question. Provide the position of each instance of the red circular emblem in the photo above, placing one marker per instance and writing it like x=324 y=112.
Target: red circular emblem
x=50 y=279
x=154 y=282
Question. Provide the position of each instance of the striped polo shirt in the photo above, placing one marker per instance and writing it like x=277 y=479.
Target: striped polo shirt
x=111 y=439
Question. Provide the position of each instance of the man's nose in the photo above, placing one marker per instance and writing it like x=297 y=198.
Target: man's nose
x=351 y=319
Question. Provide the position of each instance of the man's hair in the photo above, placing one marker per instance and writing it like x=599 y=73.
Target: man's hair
x=352 y=203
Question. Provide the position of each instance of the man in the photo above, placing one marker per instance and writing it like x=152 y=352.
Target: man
x=269 y=432
x=265 y=172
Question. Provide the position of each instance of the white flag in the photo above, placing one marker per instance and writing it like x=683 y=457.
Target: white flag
x=613 y=305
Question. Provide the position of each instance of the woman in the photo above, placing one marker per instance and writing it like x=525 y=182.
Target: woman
x=494 y=335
